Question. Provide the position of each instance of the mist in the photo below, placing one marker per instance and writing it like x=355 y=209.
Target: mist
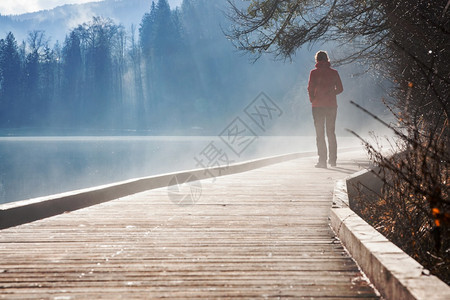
x=114 y=102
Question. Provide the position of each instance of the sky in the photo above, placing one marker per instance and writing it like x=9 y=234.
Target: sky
x=8 y=7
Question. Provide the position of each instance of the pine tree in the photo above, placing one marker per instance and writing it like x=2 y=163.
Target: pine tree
x=33 y=106
x=72 y=76
x=11 y=91
x=147 y=42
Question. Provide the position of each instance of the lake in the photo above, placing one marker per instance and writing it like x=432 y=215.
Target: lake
x=31 y=167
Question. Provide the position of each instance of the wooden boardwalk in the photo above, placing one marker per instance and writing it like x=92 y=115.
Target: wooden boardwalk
x=259 y=234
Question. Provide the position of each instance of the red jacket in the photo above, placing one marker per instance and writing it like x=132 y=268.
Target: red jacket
x=323 y=86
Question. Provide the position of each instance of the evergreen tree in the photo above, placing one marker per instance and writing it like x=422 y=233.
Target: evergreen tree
x=146 y=31
x=48 y=83
x=164 y=31
x=33 y=104
x=72 y=76
x=118 y=56
x=11 y=91
x=140 y=108
x=147 y=41
x=162 y=49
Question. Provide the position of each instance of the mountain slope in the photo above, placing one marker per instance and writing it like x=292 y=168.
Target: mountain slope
x=58 y=21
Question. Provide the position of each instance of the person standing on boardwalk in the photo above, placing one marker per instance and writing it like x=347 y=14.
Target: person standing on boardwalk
x=323 y=86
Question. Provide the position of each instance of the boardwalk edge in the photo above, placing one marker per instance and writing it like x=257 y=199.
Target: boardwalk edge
x=394 y=273
x=27 y=211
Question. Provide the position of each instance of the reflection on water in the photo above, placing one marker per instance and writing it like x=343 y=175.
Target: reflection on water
x=38 y=166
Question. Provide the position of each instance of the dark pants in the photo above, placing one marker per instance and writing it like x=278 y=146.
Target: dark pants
x=325 y=117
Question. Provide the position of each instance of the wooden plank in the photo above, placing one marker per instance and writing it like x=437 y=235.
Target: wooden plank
x=259 y=234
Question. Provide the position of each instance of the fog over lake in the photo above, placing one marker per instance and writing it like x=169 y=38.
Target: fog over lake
x=167 y=72
x=38 y=166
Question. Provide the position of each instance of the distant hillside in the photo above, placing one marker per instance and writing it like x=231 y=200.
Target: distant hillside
x=57 y=22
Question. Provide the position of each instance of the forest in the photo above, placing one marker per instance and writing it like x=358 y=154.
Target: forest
x=103 y=77
x=175 y=71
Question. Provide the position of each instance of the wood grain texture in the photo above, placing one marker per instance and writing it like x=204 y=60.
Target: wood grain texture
x=259 y=234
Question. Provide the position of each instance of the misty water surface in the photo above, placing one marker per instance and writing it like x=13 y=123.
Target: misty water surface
x=39 y=166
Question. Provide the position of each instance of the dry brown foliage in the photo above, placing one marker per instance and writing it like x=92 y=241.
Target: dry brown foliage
x=413 y=208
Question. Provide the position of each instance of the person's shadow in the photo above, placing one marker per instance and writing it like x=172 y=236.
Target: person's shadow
x=363 y=165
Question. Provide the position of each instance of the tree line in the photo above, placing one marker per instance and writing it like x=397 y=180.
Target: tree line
x=172 y=71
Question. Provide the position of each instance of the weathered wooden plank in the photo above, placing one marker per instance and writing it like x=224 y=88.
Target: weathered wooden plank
x=258 y=234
